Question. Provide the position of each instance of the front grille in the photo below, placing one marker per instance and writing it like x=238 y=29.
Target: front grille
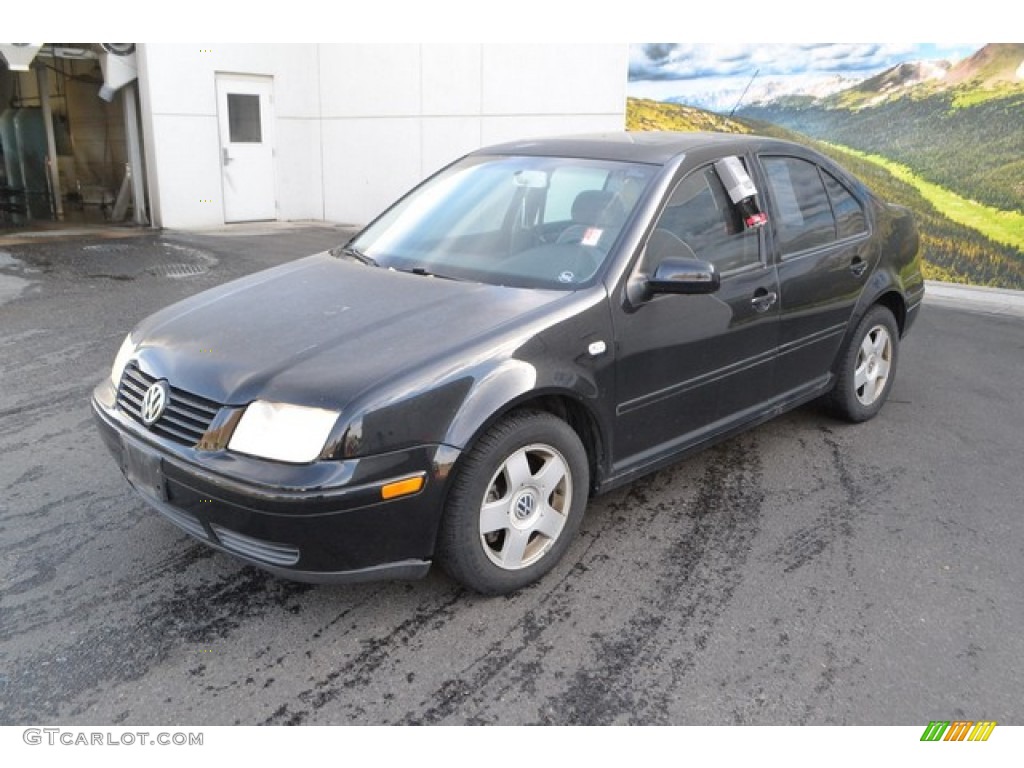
x=186 y=417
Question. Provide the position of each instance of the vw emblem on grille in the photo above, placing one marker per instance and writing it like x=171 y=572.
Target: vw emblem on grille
x=154 y=402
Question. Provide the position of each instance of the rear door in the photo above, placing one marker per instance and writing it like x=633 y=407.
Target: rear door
x=821 y=236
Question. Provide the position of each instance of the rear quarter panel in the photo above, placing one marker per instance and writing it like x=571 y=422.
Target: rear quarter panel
x=897 y=280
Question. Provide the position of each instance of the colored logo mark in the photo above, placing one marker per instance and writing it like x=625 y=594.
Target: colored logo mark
x=958 y=730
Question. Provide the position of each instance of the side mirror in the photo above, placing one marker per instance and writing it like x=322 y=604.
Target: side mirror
x=681 y=275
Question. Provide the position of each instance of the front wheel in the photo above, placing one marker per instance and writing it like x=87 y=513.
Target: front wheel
x=515 y=504
x=867 y=368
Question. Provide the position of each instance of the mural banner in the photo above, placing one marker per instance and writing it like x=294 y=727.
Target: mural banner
x=938 y=128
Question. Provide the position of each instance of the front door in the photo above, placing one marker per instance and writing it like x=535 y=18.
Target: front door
x=245 y=117
x=690 y=367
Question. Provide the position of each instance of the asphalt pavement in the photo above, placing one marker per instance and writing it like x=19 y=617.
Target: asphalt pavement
x=807 y=572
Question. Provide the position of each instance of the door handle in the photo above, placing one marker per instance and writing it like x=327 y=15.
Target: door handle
x=763 y=300
x=858 y=266
x=225 y=155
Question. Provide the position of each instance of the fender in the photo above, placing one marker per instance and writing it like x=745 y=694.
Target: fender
x=539 y=370
x=508 y=382
x=515 y=383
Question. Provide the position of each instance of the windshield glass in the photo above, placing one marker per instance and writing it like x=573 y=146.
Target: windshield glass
x=536 y=222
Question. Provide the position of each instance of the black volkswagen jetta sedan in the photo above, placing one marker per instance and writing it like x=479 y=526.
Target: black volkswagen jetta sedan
x=536 y=323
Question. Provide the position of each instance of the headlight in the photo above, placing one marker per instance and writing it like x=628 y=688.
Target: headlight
x=124 y=354
x=283 y=432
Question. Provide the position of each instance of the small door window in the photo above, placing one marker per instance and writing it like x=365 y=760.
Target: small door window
x=244 y=118
x=850 y=219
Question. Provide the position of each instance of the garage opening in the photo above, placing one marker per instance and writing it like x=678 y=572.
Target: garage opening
x=70 y=145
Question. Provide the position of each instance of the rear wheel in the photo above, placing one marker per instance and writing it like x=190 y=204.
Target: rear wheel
x=867 y=368
x=515 y=504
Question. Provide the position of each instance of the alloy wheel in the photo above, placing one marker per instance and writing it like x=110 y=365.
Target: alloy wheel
x=526 y=506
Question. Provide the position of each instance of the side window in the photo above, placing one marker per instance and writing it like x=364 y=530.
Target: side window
x=803 y=215
x=850 y=219
x=700 y=214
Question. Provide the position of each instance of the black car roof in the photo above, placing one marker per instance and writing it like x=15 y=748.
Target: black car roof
x=656 y=147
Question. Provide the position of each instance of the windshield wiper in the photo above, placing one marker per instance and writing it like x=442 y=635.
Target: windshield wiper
x=355 y=253
x=426 y=273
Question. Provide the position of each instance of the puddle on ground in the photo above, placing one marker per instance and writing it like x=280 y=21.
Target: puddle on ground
x=114 y=261
x=12 y=286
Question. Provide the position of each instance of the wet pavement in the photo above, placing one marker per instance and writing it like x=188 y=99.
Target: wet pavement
x=806 y=572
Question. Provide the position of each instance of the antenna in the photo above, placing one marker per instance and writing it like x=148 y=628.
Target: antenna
x=740 y=99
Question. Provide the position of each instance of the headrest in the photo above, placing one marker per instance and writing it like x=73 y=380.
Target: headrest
x=597 y=207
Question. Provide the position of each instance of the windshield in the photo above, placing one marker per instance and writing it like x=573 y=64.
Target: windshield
x=536 y=222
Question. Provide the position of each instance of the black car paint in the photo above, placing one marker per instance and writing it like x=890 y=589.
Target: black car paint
x=420 y=367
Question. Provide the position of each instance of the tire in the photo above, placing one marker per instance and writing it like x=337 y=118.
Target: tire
x=867 y=367
x=515 y=504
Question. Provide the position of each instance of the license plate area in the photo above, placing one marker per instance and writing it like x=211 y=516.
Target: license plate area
x=143 y=470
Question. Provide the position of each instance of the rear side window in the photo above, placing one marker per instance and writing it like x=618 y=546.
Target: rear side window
x=803 y=214
x=850 y=219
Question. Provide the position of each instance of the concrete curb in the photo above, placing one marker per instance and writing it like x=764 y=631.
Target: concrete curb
x=995 y=301
x=259 y=228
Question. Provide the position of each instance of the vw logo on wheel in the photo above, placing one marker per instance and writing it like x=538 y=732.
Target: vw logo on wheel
x=524 y=506
x=154 y=402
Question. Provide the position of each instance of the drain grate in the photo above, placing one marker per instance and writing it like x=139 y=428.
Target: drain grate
x=183 y=270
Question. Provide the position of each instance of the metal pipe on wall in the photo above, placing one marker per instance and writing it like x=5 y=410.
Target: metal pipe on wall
x=52 y=168
x=131 y=132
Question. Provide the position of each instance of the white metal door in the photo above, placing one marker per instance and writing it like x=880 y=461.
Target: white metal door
x=246 y=120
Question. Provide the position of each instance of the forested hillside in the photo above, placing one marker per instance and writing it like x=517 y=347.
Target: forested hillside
x=649 y=115
x=974 y=148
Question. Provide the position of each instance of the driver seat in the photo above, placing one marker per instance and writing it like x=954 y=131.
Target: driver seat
x=594 y=209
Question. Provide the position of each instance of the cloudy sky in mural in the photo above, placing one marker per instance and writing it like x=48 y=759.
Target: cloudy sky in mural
x=714 y=75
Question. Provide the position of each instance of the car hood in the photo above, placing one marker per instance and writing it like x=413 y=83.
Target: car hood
x=321 y=330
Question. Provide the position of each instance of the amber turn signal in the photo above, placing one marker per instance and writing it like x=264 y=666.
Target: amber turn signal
x=401 y=488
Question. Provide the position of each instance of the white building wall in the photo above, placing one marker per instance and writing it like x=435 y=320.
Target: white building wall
x=179 y=105
x=356 y=125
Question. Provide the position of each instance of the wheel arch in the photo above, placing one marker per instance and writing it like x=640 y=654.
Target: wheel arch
x=894 y=302
x=887 y=296
x=564 y=404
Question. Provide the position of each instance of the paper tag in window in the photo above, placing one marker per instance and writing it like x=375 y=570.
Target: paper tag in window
x=592 y=236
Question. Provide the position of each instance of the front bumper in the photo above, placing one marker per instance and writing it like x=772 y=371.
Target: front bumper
x=321 y=522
